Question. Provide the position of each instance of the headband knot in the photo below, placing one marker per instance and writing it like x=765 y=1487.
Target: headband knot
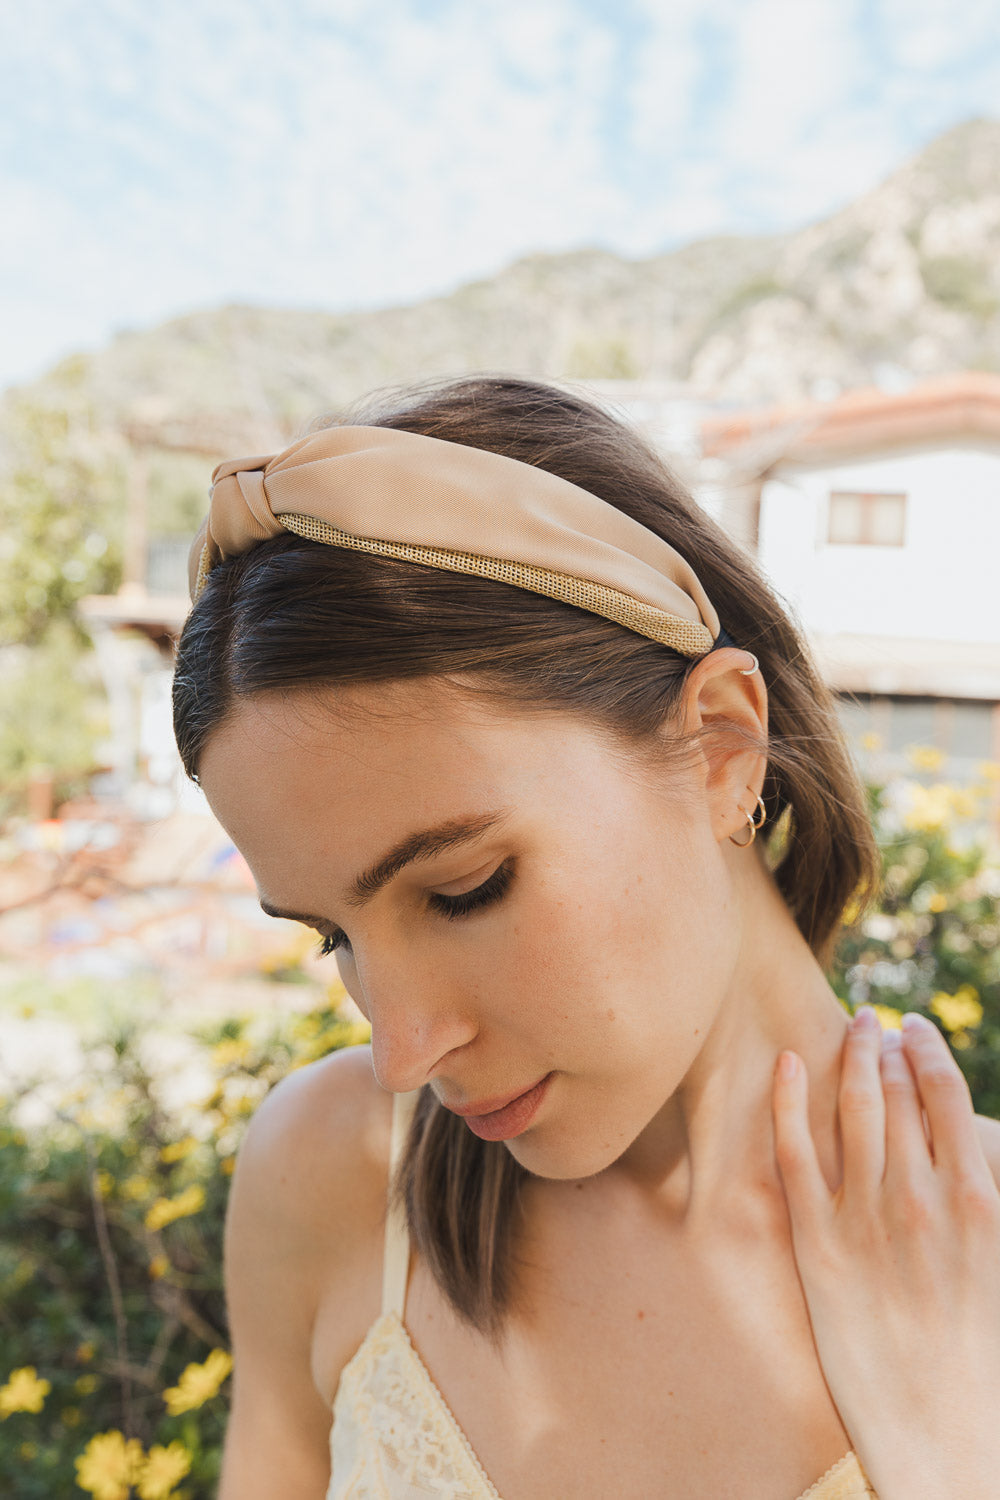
x=462 y=509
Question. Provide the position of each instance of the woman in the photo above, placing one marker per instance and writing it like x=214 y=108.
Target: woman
x=457 y=684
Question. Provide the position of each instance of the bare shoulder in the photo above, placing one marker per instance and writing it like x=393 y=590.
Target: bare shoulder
x=989 y=1136
x=306 y=1207
x=324 y=1124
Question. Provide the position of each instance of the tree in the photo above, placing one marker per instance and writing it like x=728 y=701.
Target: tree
x=61 y=507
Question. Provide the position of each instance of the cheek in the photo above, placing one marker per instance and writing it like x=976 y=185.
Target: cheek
x=667 y=938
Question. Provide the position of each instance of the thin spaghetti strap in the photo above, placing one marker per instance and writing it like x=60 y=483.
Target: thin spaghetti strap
x=396 y=1256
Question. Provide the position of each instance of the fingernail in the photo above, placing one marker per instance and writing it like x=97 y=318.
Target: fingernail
x=892 y=1040
x=914 y=1021
x=865 y=1019
x=788 y=1066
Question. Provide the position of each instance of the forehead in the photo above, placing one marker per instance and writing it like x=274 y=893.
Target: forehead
x=300 y=781
x=400 y=733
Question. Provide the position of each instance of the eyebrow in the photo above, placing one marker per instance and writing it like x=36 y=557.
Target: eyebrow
x=423 y=844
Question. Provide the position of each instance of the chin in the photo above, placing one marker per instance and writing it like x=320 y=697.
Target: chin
x=564 y=1161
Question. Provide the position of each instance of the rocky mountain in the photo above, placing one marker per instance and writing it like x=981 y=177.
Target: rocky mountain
x=903 y=283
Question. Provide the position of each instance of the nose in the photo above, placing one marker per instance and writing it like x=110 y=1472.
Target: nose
x=416 y=1023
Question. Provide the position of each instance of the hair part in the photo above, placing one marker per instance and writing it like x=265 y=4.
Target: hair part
x=293 y=613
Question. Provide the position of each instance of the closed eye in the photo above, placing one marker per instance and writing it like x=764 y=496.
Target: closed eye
x=452 y=907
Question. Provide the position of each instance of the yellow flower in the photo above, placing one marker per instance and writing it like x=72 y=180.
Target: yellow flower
x=105 y=1184
x=85 y=1352
x=136 y=1187
x=231 y=1050
x=989 y=770
x=959 y=1011
x=23 y=1392
x=358 y=1033
x=871 y=741
x=158 y=1267
x=27 y=1452
x=85 y=1385
x=179 y=1149
x=963 y=803
x=961 y=1040
x=227 y=1165
x=237 y=1103
x=109 y=1466
x=306 y=1028
x=164 y=1468
x=891 y=1019
x=930 y=807
x=198 y=1383
x=938 y=902
x=166 y=1210
x=925 y=757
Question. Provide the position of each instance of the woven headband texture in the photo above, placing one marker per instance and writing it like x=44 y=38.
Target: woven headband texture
x=465 y=510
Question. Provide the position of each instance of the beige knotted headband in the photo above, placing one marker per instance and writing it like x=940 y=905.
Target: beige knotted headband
x=466 y=510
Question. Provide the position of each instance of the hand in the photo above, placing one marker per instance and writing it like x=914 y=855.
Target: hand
x=900 y=1265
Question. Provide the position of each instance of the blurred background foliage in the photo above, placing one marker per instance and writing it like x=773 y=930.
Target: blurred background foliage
x=112 y=1197
x=62 y=503
x=53 y=716
x=932 y=942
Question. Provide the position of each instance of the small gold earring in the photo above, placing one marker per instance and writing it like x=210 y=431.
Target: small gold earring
x=761 y=809
x=749 y=671
x=745 y=843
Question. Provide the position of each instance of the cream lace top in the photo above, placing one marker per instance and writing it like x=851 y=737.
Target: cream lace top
x=393 y=1435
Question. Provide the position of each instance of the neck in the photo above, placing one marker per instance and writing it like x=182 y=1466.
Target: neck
x=709 y=1153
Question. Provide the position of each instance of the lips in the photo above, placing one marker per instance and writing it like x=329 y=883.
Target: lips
x=502 y=1119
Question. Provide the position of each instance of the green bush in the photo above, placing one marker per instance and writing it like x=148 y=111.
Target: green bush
x=933 y=941
x=112 y=1322
x=62 y=500
x=53 y=714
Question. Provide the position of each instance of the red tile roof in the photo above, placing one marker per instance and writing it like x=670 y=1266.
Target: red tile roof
x=953 y=406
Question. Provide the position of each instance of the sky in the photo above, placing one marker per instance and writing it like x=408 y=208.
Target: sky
x=341 y=154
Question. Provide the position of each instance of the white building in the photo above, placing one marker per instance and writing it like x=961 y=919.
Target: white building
x=877 y=516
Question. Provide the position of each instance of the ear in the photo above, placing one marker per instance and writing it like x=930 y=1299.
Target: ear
x=725 y=706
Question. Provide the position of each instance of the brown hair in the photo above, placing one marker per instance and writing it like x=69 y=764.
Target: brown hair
x=294 y=613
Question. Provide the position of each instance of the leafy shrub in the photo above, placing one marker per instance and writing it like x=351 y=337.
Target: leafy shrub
x=62 y=491
x=933 y=942
x=112 y=1323
x=52 y=716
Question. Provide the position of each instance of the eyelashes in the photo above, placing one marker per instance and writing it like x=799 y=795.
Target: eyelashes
x=452 y=907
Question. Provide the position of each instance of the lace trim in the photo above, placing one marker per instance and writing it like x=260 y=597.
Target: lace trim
x=842 y=1466
x=457 y=1432
x=390 y=1415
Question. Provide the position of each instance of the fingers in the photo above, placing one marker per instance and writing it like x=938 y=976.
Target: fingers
x=945 y=1096
x=861 y=1106
x=806 y=1191
x=907 y=1153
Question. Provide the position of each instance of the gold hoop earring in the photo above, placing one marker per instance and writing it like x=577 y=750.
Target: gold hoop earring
x=745 y=843
x=749 y=671
x=760 y=808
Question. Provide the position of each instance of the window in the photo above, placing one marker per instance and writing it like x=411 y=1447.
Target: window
x=861 y=518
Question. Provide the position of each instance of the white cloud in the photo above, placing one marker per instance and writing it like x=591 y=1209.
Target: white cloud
x=370 y=151
x=932 y=35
